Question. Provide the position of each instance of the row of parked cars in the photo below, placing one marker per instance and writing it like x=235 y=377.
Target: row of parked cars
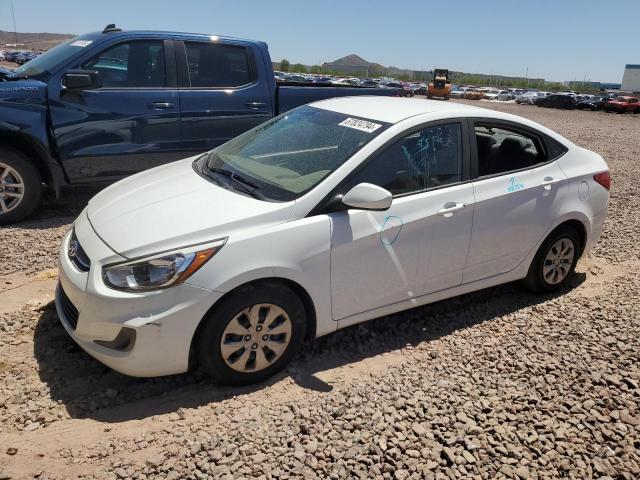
x=18 y=56
x=407 y=89
x=566 y=100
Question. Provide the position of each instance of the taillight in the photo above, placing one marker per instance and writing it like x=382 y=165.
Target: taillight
x=604 y=179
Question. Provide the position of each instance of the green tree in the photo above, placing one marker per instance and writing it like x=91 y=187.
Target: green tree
x=284 y=65
x=298 y=67
x=316 y=69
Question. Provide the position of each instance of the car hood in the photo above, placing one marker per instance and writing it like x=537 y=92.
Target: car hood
x=172 y=206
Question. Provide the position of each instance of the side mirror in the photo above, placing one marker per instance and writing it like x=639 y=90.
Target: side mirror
x=367 y=196
x=81 y=80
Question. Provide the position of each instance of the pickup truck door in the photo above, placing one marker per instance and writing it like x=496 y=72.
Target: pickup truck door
x=129 y=124
x=223 y=91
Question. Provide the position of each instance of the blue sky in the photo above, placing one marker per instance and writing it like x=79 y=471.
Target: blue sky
x=556 y=40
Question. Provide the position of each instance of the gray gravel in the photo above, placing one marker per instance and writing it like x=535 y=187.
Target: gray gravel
x=496 y=384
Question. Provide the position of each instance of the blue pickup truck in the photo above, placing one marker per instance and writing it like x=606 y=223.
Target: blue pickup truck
x=104 y=105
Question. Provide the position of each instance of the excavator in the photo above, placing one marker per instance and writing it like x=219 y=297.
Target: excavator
x=440 y=86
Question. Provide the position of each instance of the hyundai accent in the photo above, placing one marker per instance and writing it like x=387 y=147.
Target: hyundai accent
x=332 y=214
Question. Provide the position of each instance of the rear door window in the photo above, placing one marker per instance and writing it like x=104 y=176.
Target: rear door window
x=502 y=149
x=215 y=65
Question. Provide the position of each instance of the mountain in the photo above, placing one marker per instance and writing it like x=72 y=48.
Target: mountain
x=354 y=64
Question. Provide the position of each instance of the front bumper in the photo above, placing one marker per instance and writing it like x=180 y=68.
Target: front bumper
x=164 y=321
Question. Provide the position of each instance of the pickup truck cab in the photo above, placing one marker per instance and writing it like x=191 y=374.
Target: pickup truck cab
x=104 y=105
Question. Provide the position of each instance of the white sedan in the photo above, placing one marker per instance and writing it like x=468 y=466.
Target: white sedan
x=327 y=216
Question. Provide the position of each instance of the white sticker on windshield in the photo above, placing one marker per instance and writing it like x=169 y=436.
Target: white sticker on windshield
x=81 y=43
x=360 y=125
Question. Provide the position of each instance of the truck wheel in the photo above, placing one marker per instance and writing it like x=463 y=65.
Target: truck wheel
x=20 y=186
x=429 y=96
x=252 y=334
x=446 y=97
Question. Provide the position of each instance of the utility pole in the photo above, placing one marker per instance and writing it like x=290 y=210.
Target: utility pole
x=15 y=30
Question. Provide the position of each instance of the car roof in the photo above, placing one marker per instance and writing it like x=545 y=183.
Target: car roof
x=393 y=109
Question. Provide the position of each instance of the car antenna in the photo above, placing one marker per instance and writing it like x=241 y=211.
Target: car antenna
x=111 y=28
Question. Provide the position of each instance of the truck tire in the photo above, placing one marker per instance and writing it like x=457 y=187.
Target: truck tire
x=446 y=97
x=429 y=96
x=20 y=186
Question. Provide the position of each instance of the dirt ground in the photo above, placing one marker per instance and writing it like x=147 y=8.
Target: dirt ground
x=495 y=384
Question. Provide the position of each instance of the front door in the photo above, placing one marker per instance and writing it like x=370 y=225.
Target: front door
x=518 y=195
x=221 y=94
x=420 y=244
x=129 y=124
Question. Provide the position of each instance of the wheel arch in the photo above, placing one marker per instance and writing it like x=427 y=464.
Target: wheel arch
x=299 y=290
x=37 y=154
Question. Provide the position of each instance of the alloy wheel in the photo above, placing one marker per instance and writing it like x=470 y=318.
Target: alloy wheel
x=11 y=188
x=256 y=338
x=558 y=261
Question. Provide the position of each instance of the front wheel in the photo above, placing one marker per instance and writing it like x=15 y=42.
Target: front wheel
x=555 y=261
x=20 y=186
x=253 y=334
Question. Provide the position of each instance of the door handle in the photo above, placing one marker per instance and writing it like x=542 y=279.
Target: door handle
x=547 y=182
x=255 y=105
x=160 y=105
x=450 y=208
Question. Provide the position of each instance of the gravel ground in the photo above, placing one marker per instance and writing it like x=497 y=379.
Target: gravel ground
x=495 y=384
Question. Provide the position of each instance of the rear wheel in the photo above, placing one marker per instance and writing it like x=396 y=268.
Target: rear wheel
x=252 y=334
x=555 y=261
x=20 y=186
x=446 y=97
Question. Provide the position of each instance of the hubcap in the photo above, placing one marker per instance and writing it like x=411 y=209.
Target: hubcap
x=558 y=261
x=256 y=338
x=11 y=188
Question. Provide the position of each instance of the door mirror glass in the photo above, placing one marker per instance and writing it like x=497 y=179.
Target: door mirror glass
x=366 y=196
x=81 y=80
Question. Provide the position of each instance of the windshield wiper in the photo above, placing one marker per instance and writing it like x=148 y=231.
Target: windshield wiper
x=244 y=182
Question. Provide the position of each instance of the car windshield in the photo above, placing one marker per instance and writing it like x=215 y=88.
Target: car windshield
x=43 y=64
x=290 y=154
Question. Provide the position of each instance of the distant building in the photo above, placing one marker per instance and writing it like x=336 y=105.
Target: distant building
x=631 y=78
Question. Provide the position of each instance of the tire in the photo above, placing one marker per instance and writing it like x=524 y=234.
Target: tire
x=241 y=306
x=446 y=97
x=536 y=280
x=16 y=170
x=429 y=96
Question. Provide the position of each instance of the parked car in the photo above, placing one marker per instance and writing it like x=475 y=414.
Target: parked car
x=557 y=100
x=105 y=105
x=316 y=221
x=506 y=95
x=458 y=92
x=490 y=94
x=529 y=98
x=622 y=104
x=473 y=94
x=589 y=102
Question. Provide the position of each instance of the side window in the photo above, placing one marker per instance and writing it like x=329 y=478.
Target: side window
x=501 y=150
x=131 y=64
x=216 y=65
x=428 y=158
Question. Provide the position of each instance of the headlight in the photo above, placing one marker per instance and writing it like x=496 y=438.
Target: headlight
x=159 y=271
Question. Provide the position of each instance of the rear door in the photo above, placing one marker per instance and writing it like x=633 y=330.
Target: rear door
x=519 y=191
x=222 y=93
x=129 y=124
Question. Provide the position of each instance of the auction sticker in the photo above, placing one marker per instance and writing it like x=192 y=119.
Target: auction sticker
x=362 y=125
x=81 y=43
